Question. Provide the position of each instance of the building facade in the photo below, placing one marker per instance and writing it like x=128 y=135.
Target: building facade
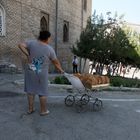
x=23 y=19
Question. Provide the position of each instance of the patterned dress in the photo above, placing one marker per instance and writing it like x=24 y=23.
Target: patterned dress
x=36 y=73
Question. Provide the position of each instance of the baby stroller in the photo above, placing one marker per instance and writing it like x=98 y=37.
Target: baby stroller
x=82 y=95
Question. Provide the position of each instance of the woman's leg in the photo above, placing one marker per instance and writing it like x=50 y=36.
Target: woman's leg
x=43 y=102
x=30 y=103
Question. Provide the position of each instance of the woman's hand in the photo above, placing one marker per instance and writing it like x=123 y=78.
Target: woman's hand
x=62 y=72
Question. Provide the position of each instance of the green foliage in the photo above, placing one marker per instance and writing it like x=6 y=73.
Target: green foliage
x=115 y=81
x=125 y=82
x=61 y=80
x=107 y=41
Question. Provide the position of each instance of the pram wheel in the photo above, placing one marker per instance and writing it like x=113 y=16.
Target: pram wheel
x=79 y=106
x=69 y=100
x=97 y=105
x=85 y=99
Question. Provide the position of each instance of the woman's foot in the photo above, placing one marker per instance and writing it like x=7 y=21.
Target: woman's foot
x=44 y=113
x=30 y=112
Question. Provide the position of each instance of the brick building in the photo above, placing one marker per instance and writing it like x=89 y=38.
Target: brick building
x=23 y=19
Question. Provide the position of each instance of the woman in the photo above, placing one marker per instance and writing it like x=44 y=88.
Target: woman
x=39 y=54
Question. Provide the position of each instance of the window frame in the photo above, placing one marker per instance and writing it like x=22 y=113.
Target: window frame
x=3 y=26
x=65 y=34
x=46 y=17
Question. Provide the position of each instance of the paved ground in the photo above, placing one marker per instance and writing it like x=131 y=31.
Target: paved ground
x=118 y=120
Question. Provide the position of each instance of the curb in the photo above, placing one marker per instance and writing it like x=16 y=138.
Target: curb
x=109 y=88
x=123 y=89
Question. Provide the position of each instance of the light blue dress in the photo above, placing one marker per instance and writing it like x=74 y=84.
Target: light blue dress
x=36 y=73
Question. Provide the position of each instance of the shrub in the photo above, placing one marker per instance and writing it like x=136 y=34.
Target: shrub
x=116 y=81
x=61 y=80
x=125 y=82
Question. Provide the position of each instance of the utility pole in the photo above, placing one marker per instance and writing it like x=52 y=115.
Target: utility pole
x=82 y=14
x=56 y=24
x=82 y=18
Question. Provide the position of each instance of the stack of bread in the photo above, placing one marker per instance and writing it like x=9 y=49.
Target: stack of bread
x=90 y=80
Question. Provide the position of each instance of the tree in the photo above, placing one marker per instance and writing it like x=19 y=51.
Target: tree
x=84 y=44
x=105 y=41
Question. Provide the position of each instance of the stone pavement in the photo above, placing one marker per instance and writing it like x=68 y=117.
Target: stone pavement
x=118 y=120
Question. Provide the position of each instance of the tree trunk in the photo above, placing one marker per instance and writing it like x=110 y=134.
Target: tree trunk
x=109 y=70
x=80 y=65
x=92 y=66
x=134 y=72
x=97 y=68
x=84 y=65
x=101 y=69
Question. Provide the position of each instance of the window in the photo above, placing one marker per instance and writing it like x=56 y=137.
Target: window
x=66 y=31
x=2 y=21
x=44 y=22
x=85 y=5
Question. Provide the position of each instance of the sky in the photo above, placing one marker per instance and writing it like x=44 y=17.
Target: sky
x=130 y=8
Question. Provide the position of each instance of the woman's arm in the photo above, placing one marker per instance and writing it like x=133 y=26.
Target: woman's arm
x=23 y=48
x=57 y=65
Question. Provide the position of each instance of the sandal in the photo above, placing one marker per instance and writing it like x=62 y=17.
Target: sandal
x=45 y=113
x=30 y=112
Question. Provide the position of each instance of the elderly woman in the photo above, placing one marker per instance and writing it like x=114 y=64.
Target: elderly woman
x=39 y=54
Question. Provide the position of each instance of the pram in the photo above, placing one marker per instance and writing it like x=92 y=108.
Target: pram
x=83 y=95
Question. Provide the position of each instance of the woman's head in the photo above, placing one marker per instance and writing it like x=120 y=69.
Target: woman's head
x=44 y=36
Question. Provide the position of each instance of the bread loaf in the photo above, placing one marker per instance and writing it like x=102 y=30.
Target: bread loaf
x=89 y=80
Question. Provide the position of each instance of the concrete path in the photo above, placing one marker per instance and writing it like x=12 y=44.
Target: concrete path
x=118 y=120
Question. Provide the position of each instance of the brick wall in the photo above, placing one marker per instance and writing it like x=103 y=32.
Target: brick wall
x=23 y=22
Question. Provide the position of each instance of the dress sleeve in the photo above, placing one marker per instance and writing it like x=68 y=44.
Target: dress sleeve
x=52 y=54
x=28 y=44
